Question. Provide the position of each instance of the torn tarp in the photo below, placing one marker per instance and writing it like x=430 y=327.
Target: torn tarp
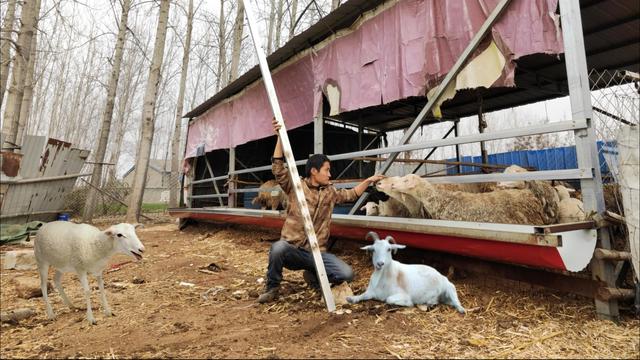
x=399 y=50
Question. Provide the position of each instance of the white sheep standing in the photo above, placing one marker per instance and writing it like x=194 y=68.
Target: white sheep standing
x=569 y=209
x=83 y=249
x=402 y=284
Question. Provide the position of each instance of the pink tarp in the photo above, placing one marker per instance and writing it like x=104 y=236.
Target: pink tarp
x=404 y=51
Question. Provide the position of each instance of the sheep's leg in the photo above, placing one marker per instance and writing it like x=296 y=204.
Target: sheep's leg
x=44 y=274
x=367 y=295
x=103 y=296
x=57 y=280
x=399 y=299
x=84 y=281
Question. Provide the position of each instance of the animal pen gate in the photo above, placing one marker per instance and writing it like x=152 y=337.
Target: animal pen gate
x=357 y=68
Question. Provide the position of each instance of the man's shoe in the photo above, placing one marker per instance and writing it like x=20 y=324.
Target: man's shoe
x=311 y=279
x=269 y=295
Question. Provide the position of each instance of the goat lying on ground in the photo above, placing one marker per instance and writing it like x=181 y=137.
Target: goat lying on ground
x=83 y=249
x=404 y=285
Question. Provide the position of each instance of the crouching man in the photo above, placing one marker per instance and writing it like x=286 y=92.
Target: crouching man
x=292 y=251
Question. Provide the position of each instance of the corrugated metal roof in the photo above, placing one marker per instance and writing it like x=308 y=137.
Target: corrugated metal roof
x=612 y=34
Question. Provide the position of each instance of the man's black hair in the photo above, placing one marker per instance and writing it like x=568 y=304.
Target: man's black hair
x=315 y=162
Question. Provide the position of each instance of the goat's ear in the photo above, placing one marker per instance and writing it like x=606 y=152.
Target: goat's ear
x=367 y=248
x=397 y=246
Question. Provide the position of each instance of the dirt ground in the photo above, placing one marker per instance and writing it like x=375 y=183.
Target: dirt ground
x=157 y=316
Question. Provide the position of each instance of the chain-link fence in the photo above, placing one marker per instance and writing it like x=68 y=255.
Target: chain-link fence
x=615 y=97
x=112 y=197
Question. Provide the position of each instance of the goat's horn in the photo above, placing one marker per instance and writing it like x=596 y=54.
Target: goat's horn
x=373 y=235
x=391 y=239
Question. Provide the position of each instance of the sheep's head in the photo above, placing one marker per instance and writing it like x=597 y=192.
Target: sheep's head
x=382 y=250
x=410 y=182
x=126 y=239
x=563 y=192
x=386 y=184
x=371 y=209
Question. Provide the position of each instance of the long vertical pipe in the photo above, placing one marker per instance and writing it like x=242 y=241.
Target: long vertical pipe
x=288 y=154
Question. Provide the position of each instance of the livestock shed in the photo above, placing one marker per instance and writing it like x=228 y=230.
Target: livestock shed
x=374 y=66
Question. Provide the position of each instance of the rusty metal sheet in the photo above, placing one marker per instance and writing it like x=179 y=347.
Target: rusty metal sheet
x=10 y=163
x=54 y=157
x=32 y=149
x=47 y=197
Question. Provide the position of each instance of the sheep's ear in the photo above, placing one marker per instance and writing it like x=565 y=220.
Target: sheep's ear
x=138 y=225
x=109 y=232
x=397 y=246
x=363 y=208
x=571 y=190
x=367 y=248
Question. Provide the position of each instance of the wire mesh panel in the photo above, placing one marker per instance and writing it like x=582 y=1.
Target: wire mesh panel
x=615 y=98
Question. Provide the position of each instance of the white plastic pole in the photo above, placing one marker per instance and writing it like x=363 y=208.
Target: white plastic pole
x=288 y=154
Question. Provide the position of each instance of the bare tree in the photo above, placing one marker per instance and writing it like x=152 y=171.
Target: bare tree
x=146 y=131
x=107 y=115
x=293 y=13
x=278 y=29
x=30 y=11
x=222 y=53
x=237 y=42
x=272 y=18
x=174 y=190
x=6 y=37
x=27 y=96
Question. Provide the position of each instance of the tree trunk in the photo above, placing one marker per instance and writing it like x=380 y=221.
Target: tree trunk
x=30 y=13
x=27 y=96
x=142 y=159
x=96 y=175
x=292 y=19
x=222 y=53
x=278 y=25
x=272 y=20
x=5 y=46
x=124 y=117
x=237 y=42
x=174 y=185
x=334 y=4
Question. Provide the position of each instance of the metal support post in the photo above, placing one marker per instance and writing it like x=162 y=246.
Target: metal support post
x=455 y=134
x=231 y=202
x=318 y=133
x=586 y=151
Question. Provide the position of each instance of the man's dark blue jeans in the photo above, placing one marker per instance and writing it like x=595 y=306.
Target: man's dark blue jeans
x=284 y=255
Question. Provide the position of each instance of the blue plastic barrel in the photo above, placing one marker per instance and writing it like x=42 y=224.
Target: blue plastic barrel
x=63 y=217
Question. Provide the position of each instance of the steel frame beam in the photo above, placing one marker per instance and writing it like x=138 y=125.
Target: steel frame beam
x=586 y=151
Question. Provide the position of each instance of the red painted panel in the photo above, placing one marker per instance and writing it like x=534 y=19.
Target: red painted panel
x=538 y=256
